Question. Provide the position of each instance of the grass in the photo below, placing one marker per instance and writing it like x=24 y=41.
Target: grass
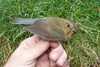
x=83 y=49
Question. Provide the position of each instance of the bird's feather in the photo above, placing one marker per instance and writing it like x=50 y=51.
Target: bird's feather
x=23 y=21
x=43 y=28
x=49 y=28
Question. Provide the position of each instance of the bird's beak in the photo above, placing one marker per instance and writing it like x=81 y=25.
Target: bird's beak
x=75 y=32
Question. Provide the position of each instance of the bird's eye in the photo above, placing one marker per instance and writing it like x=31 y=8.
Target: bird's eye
x=68 y=25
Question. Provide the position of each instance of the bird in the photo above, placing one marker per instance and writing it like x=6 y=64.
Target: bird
x=49 y=28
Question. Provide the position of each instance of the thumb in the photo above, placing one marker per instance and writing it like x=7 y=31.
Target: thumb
x=39 y=48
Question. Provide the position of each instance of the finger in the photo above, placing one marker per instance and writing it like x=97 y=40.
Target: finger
x=61 y=61
x=43 y=61
x=52 y=63
x=39 y=48
x=54 y=44
x=27 y=43
x=56 y=52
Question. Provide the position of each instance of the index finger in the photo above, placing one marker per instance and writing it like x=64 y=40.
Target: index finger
x=30 y=41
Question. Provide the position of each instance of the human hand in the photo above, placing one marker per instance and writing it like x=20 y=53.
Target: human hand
x=33 y=52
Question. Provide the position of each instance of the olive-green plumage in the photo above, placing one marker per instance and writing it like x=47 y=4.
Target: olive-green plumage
x=49 y=28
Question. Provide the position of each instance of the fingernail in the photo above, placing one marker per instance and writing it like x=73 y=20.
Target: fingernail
x=54 y=56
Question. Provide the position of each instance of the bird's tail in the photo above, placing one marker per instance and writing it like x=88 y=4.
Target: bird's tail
x=23 y=21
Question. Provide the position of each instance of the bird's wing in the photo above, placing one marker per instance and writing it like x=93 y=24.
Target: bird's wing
x=47 y=29
x=56 y=24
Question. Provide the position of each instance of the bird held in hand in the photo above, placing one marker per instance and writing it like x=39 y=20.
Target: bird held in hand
x=49 y=28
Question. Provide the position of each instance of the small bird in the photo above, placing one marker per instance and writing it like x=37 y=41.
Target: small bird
x=49 y=28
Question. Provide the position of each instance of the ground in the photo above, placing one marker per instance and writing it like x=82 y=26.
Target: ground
x=83 y=49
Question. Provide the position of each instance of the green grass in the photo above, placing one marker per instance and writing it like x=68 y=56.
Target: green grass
x=83 y=49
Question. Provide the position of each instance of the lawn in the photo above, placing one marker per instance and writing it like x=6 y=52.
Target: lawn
x=83 y=49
